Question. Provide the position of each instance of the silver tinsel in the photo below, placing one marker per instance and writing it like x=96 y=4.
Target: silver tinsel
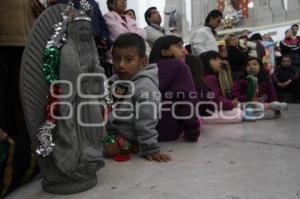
x=45 y=139
x=85 y=6
x=108 y=96
x=59 y=37
x=57 y=40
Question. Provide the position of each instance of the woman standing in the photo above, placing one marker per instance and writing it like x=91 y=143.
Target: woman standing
x=204 y=39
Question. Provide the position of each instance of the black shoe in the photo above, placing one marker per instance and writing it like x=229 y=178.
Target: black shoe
x=277 y=114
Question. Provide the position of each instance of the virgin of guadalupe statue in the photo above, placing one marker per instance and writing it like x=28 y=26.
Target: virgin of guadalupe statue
x=71 y=167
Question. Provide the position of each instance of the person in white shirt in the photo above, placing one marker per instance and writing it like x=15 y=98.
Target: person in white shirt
x=204 y=39
x=154 y=30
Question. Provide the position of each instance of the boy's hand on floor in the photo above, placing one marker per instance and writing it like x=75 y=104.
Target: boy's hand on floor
x=158 y=157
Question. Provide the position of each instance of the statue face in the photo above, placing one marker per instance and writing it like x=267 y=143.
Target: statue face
x=83 y=29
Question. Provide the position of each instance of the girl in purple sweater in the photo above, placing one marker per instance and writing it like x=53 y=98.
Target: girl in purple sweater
x=179 y=96
x=261 y=90
x=226 y=110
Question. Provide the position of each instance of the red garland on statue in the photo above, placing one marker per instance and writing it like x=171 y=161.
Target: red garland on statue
x=243 y=5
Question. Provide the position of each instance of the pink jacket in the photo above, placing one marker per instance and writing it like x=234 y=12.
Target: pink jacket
x=116 y=26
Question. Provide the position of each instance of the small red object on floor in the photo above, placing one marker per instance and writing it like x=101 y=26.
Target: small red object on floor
x=122 y=157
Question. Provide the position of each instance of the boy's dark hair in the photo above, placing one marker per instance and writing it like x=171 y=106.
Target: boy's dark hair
x=206 y=57
x=295 y=25
x=110 y=4
x=130 y=10
x=212 y=15
x=196 y=67
x=148 y=14
x=262 y=76
x=163 y=43
x=256 y=37
x=131 y=40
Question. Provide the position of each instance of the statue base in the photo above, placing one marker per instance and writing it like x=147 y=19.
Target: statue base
x=71 y=187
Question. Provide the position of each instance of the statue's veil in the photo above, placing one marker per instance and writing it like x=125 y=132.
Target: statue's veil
x=34 y=88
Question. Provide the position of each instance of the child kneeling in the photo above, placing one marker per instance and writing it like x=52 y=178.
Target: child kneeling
x=134 y=115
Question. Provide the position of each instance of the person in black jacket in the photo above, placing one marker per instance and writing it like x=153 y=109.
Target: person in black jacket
x=291 y=45
x=286 y=77
x=236 y=57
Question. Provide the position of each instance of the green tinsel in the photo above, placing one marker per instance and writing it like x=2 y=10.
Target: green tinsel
x=113 y=139
x=109 y=139
x=51 y=65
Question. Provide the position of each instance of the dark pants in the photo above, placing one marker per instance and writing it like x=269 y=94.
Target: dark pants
x=11 y=113
x=293 y=90
x=237 y=75
x=17 y=163
x=108 y=68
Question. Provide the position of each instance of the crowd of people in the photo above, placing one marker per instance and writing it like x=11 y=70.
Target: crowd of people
x=227 y=83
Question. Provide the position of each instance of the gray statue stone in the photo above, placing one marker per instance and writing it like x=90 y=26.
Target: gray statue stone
x=176 y=18
x=293 y=9
x=278 y=11
x=260 y=14
x=77 y=156
x=172 y=18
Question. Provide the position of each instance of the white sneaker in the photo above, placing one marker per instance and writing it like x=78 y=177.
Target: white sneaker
x=280 y=106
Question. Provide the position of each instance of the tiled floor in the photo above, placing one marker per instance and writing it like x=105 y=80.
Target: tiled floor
x=259 y=160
